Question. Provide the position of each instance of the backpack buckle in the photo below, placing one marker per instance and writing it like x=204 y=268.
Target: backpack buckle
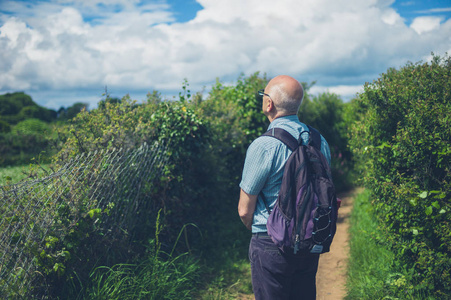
x=317 y=249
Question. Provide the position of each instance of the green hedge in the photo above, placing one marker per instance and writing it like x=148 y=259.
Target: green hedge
x=403 y=141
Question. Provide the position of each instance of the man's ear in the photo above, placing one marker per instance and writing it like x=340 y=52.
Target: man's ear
x=269 y=106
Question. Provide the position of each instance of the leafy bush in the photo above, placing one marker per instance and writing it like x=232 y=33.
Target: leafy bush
x=32 y=126
x=26 y=140
x=327 y=113
x=403 y=141
x=4 y=127
x=183 y=191
x=235 y=119
x=18 y=145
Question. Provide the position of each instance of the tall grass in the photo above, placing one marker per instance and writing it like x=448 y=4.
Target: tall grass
x=159 y=275
x=155 y=278
x=228 y=273
x=373 y=272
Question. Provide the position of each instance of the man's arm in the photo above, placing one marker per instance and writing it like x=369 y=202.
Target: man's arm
x=246 y=208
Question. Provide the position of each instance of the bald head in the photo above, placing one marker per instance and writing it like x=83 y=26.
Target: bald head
x=287 y=94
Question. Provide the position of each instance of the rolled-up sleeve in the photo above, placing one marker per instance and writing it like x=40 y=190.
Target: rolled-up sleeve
x=257 y=167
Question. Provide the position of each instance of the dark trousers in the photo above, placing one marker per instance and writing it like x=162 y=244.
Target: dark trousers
x=277 y=275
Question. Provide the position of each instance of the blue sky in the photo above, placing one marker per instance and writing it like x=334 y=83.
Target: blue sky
x=66 y=51
x=410 y=10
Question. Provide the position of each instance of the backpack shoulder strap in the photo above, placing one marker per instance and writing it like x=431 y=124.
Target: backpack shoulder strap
x=315 y=138
x=286 y=138
x=283 y=136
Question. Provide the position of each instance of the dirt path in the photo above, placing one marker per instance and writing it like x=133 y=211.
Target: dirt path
x=331 y=276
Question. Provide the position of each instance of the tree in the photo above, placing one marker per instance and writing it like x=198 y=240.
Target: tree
x=76 y=108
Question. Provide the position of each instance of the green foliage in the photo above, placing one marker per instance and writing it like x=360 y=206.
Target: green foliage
x=403 y=140
x=4 y=127
x=112 y=126
x=183 y=192
x=108 y=99
x=235 y=119
x=36 y=112
x=73 y=110
x=327 y=113
x=32 y=127
x=159 y=276
x=23 y=125
x=14 y=174
x=373 y=272
x=26 y=140
x=12 y=103
x=370 y=262
x=16 y=107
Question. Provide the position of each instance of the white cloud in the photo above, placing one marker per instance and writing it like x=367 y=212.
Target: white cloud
x=73 y=45
x=435 y=10
x=346 y=90
x=391 y=17
x=425 y=24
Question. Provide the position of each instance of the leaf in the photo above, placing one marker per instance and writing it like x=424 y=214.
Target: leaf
x=441 y=195
x=415 y=231
x=436 y=205
x=414 y=202
x=428 y=210
x=423 y=195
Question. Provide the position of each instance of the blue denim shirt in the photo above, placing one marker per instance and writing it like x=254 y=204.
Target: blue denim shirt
x=264 y=166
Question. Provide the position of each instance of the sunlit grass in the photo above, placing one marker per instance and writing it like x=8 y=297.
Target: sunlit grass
x=369 y=263
x=232 y=282
x=373 y=272
x=155 y=278
x=15 y=174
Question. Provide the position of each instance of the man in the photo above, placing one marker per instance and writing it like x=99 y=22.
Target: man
x=275 y=275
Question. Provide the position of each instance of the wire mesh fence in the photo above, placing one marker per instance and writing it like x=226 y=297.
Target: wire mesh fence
x=116 y=181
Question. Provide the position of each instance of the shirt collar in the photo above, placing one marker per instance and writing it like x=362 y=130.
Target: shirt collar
x=283 y=120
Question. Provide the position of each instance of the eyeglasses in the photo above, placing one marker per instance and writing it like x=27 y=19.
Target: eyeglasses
x=260 y=95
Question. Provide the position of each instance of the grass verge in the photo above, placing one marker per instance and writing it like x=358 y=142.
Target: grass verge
x=369 y=263
x=373 y=272
x=229 y=275
x=15 y=174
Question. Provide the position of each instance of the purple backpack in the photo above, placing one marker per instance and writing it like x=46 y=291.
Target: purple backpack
x=304 y=218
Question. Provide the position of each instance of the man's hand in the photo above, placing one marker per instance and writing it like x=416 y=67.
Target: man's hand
x=246 y=208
